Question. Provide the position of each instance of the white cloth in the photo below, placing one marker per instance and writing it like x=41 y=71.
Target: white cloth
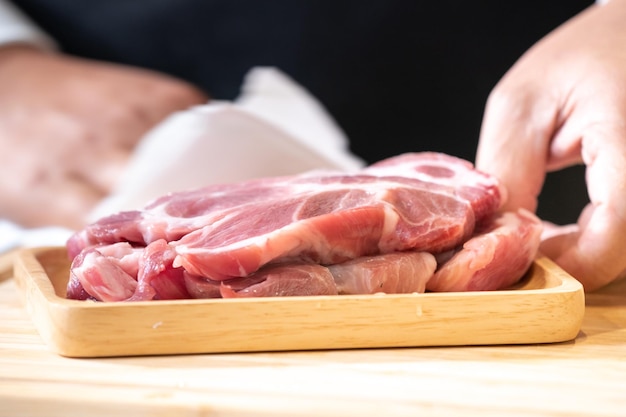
x=274 y=128
x=13 y=236
x=16 y=27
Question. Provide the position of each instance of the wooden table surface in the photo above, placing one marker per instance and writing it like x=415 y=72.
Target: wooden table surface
x=584 y=377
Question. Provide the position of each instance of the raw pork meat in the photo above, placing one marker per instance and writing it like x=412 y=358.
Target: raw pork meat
x=230 y=239
x=270 y=281
x=281 y=280
x=494 y=258
x=484 y=192
x=106 y=273
x=327 y=220
x=392 y=273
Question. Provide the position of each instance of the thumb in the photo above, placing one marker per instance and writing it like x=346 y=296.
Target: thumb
x=596 y=255
x=514 y=143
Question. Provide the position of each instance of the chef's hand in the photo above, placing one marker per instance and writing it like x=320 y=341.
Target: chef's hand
x=68 y=126
x=563 y=103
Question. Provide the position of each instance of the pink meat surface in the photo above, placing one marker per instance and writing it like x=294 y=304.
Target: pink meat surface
x=157 y=279
x=294 y=279
x=282 y=280
x=392 y=273
x=174 y=215
x=483 y=191
x=494 y=259
x=327 y=220
x=230 y=239
x=106 y=273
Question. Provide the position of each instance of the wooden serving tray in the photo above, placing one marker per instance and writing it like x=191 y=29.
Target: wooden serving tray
x=546 y=306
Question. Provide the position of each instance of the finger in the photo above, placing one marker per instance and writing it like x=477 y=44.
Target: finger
x=565 y=148
x=514 y=142
x=556 y=239
x=597 y=256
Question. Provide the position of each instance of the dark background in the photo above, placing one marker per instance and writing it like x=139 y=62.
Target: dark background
x=398 y=76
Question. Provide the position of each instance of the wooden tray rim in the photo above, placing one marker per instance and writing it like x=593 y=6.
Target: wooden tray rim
x=53 y=314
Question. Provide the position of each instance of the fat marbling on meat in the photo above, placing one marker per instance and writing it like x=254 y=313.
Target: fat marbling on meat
x=219 y=240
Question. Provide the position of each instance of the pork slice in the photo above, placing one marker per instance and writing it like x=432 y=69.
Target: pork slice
x=98 y=276
x=327 y=221
x=413 y=202
x=120 y=227
x=120 y=272
x=483 y=191
x=108 y=271
x=393 y=273
x=201 y=287
x=173 y=215
x=157 y=279
x=494 y=259
x=282 y=280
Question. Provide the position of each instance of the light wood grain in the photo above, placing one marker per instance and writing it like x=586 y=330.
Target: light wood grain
x=547 y=307
x=6 y=264
x=583 y=377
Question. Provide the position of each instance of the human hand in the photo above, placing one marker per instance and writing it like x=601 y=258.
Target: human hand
x=68 y=127
x=564 y=103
